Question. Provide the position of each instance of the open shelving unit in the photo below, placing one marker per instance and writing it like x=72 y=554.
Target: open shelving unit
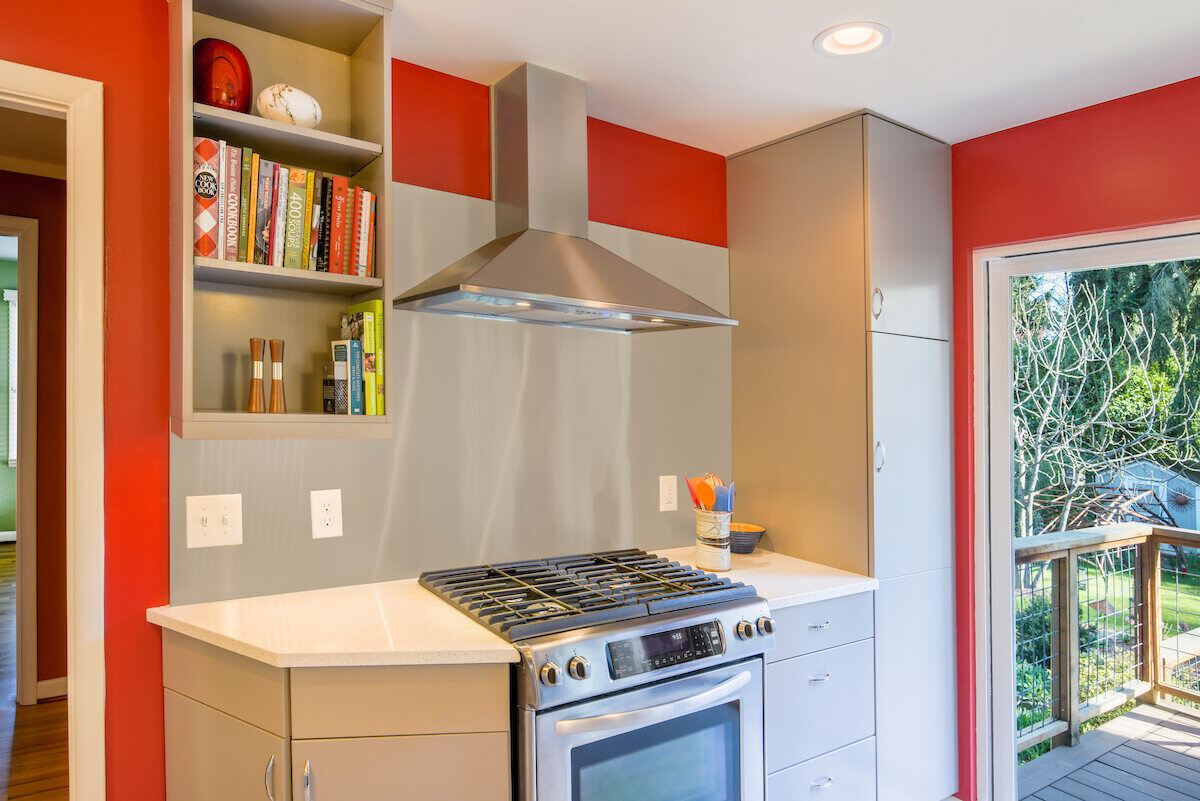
x=337 y=51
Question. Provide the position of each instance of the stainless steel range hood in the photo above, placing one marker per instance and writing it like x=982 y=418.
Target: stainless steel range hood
x=542 y=268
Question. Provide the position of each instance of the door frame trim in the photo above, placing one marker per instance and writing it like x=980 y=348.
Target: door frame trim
x=80 y=102
x=26 y=231
x=993 y=784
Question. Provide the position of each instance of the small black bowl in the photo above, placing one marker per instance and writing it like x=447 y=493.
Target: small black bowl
x=744 y=537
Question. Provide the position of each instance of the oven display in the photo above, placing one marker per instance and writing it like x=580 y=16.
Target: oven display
x=664 y=649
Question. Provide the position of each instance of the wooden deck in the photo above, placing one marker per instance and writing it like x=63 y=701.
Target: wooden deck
x=1149 y=754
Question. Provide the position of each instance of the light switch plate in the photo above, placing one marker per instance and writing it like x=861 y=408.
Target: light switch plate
x=668 y=493
x=214 y=520
x=326 y=513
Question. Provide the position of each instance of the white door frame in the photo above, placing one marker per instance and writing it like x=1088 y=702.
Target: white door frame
x=26 y=232
x=991 y=379
x=81 y=103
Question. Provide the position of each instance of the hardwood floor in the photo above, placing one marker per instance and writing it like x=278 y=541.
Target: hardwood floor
x=1150 y=754
x=33 y=739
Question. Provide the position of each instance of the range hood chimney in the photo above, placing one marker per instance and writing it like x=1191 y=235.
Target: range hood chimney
x=542 y=268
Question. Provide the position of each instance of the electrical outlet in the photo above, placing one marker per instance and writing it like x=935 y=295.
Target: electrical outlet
x=326 y=513
x=214 y=520
x=668 y=493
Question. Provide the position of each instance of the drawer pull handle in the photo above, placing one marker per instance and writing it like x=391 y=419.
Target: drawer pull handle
x=877 y=303
x=822 y=783
x=819 y=679
x=307 y=780
x=819 y=626
x=880 y=457
x=269 y=778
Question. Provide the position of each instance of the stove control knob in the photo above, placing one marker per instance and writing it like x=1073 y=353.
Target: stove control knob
x=766 y=625
x=551 y=674
x=578 y=668
x=745 y=630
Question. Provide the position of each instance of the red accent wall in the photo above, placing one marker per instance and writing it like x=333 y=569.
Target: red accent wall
x=123 y=43
x=441 y=139
x=1126 y=163
x=441 y=134
x=640 y=181
x=45 y=199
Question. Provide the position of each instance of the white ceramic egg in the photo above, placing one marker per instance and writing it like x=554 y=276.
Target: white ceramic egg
x=284 y=103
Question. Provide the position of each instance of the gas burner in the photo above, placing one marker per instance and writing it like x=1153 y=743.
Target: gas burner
x=520 y=600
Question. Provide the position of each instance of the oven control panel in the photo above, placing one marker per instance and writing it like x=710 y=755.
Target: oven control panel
x=664 y=649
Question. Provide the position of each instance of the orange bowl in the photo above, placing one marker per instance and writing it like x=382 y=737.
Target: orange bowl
x=744 y=537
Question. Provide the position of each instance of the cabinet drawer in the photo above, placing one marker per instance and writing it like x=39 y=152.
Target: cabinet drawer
x=211 y=755
x=824 y=624
x=416 y=699
x=438 y=767
x=847 y=774
x=819 y=702
x=241 y=686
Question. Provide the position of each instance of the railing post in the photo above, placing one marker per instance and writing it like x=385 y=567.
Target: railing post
x=1068 y=620
x=1150 y=579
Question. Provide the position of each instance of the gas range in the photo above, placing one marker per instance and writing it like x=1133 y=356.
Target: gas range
x=592 y=624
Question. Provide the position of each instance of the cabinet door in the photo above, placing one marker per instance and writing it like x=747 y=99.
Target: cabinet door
x=439 y=766
x=211 y=755
x=908 y=202
x=915 y=701
x=912 y=506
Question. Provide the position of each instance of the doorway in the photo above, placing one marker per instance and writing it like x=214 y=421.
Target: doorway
x=1088 y=429
x=79 y=103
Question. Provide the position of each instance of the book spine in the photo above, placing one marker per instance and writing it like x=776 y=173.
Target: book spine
x=314 y=236
x=368 y=344
x=293 y=224
x=222 y=152
x=371 y=238
x=364 y=234
x=340 y=351
x=375 y=307
x=337 y=233
x=205 y=192
x=356 y=238
x=262 y=212
x=355 y=363
x=279 y=218
x=244 y=201
x=306 y=219
x=326 y=225
x=233 y=200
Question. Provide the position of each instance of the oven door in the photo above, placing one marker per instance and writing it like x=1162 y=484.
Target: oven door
x=694 y=738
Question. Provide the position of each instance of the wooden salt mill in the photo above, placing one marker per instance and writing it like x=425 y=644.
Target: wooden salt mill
x=277 y=404
x=256 y=376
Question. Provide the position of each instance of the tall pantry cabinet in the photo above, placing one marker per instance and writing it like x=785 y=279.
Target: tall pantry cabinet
x=839 y=242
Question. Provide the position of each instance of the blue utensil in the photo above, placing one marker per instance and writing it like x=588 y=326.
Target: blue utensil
x=723 y=502
x=731 y=499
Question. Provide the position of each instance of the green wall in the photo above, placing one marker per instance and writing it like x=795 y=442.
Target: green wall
x=8 y=475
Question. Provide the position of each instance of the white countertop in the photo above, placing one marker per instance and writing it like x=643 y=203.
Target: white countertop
x=401 y=623
x=784 y=580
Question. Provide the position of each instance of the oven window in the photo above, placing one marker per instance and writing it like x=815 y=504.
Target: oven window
x=692 y=758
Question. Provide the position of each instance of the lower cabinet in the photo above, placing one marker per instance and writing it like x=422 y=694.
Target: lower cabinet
x=211 y=755
x=240 y=730
x=847 y=774
x=439 y=766
x=916 y=691
x=820 y=704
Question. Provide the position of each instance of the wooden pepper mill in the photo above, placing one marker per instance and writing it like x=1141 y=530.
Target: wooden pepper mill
x=277 y=403
x=256 y=403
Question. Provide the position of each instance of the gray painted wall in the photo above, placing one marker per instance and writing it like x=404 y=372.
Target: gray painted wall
x=511 y=441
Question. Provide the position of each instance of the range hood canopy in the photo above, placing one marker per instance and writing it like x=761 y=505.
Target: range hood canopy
x=542 y=268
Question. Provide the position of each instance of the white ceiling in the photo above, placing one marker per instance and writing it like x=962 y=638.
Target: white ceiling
x=729 y=74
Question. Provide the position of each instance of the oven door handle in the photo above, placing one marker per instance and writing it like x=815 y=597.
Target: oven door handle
x=654 y=714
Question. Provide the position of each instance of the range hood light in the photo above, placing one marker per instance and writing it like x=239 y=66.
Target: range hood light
x=852 y=38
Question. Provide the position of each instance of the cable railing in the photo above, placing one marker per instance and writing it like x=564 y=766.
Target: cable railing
x=1102 y=616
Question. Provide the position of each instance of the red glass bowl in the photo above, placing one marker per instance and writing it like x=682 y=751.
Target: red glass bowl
x=221 y=76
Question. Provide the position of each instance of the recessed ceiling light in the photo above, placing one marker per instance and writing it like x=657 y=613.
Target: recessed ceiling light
x=852 y=38
x=526 y=304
